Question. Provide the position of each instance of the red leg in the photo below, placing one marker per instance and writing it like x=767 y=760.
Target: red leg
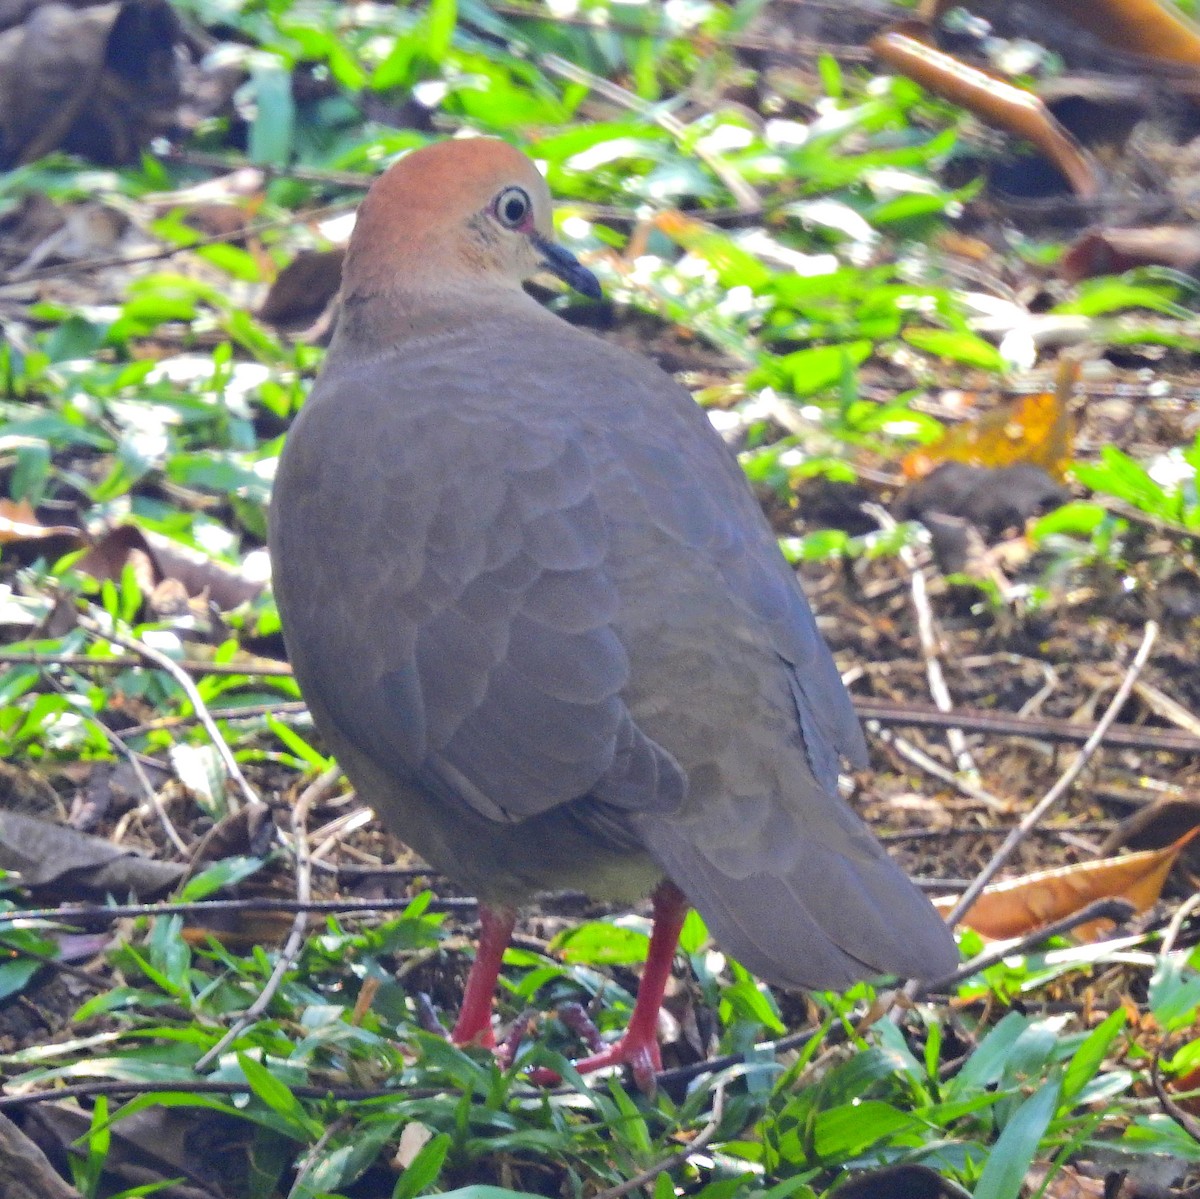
x=639 y=1045
x=474 y=1024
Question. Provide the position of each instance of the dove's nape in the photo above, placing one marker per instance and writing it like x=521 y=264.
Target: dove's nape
x=538 y=616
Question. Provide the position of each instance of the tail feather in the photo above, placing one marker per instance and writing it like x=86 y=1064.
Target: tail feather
x=824 y=922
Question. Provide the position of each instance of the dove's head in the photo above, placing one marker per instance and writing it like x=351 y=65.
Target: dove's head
x=457 y=215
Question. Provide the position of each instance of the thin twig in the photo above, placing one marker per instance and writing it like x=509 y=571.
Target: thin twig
x=1111 y=908
x=121 y=661
x=1150 y=521
x=313 y=1154
x=697 y=1143
x=245 y=712
x=924 y=762
x=1186 y=1122
x=331 y=834
x=993 y=830
x=1066 y=779
x=81 y=976
x=1170 y=709
x=163 y=662
x=1011 y=724
x=886 y=712
x=201 y=1086
x=311 y=795
x=928 y=638
x=1186 y=908
x=153 y=800
x=79 y=266
x=74 y=915
x=217 y=162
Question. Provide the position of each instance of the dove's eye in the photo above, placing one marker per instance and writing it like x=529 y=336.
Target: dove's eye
x=512 y=207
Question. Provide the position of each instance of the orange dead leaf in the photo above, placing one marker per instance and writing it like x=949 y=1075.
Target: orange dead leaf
x=1037 y=429
x=240 y=931
x=19 y=522
x=1018 y=906
x=990 y=98
x=1134 y=26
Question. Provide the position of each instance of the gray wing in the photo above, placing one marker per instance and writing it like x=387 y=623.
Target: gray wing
x=695 y=490
x=448 y=599
x=785 y=874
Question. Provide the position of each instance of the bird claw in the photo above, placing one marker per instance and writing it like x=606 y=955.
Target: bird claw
x=643 y=1059
x=506 y=1054
x=576 y=1018
x=427 y=1017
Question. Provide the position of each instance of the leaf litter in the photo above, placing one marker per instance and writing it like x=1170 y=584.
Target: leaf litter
x=142 y=411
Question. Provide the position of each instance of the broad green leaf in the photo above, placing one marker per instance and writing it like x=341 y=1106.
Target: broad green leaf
x=272 y=129
x=277 y=1095
x=223 y=873
x=1015 y=1149
x=958 y=345
x=1077 y=519
x=1090 y=1055
x=424 y=1169
x=603 y=943
x=852 y=1128
x=486 y=1192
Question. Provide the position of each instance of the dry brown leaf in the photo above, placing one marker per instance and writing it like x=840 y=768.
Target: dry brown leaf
x=156 y=1144
x=158 y=559
x=1133 y=26
x=25 y=1171
x=1111 y=251
x=1069 y=1183
x=1017 y=906
x=990 y=98
x=19 y=522
x=1037 y=429
x=61 y=862
x=1158 y=824
x=304 y=289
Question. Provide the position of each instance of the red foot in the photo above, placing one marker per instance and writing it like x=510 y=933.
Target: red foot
x=638 y=1048
x=644 y=1060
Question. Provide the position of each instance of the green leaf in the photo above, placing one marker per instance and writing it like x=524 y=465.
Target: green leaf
x=15 y=975
x=1100 y=296
x=223 y=873
x=630 y=1126
x=818 y=369
x=603 y=943
x=1013 y=1153
x=301 y=748
x=424 y=1169
x=277 y=1095
x=1076 y=519
x=694 y=934
x=1119 y=475
x=1090 y=1055
x=480 y=1191
x=1174 y=992
x=958 y=345
x=985 y=1066
x=440 y=20
x=852 y=1128
x=273 y=128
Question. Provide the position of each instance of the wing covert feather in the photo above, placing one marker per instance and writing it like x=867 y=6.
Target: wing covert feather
x=489 y=659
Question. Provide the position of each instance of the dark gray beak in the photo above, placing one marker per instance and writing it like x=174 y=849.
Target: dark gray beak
x=567 y=267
